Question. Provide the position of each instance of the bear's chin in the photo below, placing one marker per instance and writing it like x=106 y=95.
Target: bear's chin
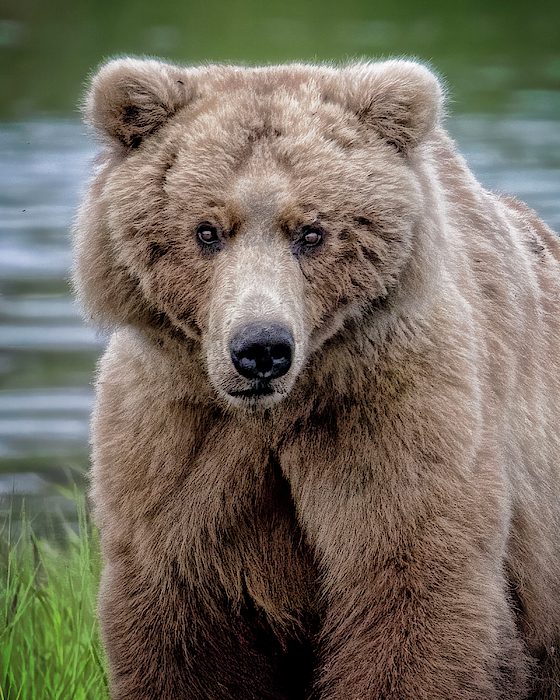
x=253 y=399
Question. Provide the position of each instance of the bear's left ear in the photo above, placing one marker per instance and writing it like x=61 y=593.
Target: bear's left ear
x=401 y=100
x=130 y=99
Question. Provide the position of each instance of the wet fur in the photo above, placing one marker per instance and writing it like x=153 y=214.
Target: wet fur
x=386 y=523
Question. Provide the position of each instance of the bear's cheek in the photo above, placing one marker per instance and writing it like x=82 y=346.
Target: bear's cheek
x=338 y=283
x=169 y=274
x=158 y=251
x=175 y=284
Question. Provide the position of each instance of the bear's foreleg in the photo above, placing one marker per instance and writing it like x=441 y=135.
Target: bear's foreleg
x=415 y=611
x=165 y=642
x=210 y=592
x=417 y=605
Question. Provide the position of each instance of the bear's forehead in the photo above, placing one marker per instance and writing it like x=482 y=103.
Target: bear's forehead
x=260 y=153
x=267 y=104
x=297 y=133
x=260 y=142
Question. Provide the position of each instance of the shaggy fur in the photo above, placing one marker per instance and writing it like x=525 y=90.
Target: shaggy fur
x=382 y=520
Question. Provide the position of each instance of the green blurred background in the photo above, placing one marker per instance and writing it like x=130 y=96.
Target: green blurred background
x=488 y=50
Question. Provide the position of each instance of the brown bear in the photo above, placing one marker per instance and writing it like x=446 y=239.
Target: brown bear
x=325 y=443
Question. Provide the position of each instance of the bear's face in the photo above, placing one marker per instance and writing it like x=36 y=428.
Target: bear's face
x=258 y=209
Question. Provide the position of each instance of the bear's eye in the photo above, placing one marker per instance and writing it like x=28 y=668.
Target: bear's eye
x=311 y=236
x=207 y=233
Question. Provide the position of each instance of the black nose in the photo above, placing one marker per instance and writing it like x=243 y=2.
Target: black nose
x=262 y=350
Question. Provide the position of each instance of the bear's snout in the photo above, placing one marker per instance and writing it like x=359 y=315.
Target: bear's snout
x=262 y=350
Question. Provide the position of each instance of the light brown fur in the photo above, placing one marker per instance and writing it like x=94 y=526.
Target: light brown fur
x=384 y=523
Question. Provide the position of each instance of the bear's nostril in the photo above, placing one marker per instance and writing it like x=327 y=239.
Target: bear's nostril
x=262 y=350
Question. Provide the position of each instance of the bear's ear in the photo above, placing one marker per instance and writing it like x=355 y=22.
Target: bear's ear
x=129 y=99
x=401 y=100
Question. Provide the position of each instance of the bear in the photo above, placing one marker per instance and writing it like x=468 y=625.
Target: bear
x=325 y=441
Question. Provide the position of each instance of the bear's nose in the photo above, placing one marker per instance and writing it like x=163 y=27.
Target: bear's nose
x=262 y=350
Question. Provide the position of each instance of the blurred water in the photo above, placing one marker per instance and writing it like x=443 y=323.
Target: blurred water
x=47 y=354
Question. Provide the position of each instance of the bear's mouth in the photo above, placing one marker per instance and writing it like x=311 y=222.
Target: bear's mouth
x=256 y=390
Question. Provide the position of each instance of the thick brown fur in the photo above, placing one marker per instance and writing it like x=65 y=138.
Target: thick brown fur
x=383 y=522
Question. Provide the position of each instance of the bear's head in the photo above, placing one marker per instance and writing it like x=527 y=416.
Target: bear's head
x=251 y=210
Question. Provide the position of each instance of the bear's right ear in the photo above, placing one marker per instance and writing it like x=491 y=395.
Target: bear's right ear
x=130 y=99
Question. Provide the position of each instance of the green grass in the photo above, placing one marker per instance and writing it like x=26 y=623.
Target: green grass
x=49 y=635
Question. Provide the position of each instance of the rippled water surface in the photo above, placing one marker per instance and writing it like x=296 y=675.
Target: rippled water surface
x=47 y=354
